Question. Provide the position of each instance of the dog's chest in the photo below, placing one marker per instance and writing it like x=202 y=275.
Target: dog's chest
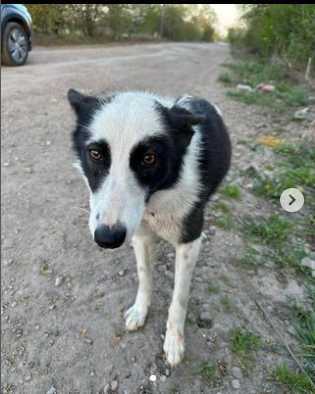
x=166 y=212
x=166 y=225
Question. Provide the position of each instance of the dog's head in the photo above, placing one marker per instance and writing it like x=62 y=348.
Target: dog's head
x=128 y=147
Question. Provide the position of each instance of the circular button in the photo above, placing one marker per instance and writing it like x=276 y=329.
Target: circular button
x=292 y=200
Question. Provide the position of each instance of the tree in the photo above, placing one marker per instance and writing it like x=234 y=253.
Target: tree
x=170 y=21
x=47 y=18
x=119 y=20
x=287 y=30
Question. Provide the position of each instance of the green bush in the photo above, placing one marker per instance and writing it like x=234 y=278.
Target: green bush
x=287 y=30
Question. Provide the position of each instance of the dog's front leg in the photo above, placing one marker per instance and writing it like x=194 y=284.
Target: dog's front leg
x=186 y=258
x=143 y=244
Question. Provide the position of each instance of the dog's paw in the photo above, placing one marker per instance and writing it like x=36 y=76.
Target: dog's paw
x=135 y=317
x=174 y=347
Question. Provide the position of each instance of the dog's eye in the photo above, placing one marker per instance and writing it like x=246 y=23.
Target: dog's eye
x=149 y=159
x=95 y=154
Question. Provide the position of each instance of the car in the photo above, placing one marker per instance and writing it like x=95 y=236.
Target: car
x=16 y=34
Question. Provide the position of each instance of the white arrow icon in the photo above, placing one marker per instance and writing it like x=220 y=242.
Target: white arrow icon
x=292 y=200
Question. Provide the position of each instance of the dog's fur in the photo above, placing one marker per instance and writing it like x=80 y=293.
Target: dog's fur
x=192 y=155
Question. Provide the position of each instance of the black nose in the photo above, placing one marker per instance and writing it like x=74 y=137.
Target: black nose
x=110 y=237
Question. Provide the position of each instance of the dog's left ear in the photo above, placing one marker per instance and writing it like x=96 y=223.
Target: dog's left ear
x=181 y=118
x=82 y=104
x=181 y=121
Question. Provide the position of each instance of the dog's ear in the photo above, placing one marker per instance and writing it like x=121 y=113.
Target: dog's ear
x=181 y=121
x=80 y=103
x=181 y=118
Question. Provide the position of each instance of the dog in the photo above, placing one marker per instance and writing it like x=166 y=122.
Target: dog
x=151 y=163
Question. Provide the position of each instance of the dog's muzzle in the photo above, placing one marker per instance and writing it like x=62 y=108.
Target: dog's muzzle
x=110 y=237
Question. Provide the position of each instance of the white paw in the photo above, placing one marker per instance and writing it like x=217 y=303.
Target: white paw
x=135 y=317
x=174 y=347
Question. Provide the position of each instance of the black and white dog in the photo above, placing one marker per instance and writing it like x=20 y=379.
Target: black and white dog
x=151 y=164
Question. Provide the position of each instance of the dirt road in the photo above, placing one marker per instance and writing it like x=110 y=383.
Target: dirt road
x=63 y=298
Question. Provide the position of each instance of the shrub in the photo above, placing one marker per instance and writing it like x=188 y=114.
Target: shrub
x=286 y=30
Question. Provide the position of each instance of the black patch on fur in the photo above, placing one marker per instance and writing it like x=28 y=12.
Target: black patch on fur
x=84 y=108
x=192 y=224
x=170 y=149
x=160 y=176
x=214 y=162
x=96 y=171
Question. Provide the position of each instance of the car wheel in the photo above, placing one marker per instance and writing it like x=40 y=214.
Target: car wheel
x=14 y=45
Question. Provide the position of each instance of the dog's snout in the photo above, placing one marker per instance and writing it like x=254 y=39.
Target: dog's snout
x=110 y=237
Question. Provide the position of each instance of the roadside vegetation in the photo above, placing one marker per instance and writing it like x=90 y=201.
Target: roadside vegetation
x=304 y=326
x=244 y=344
x=99 y=23
x=272 y=70
x=248 y=81
x=286 y=31
x=282 y=243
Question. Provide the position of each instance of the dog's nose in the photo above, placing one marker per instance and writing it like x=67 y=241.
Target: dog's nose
x=110 y=237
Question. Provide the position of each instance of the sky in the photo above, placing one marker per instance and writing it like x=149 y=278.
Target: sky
x=228 y=16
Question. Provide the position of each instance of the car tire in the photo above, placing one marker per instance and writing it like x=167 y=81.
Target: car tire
x=14 y=50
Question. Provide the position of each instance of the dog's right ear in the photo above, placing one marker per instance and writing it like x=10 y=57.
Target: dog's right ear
x=80 y=103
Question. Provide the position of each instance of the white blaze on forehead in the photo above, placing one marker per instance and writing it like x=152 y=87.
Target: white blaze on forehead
x=119 y=199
